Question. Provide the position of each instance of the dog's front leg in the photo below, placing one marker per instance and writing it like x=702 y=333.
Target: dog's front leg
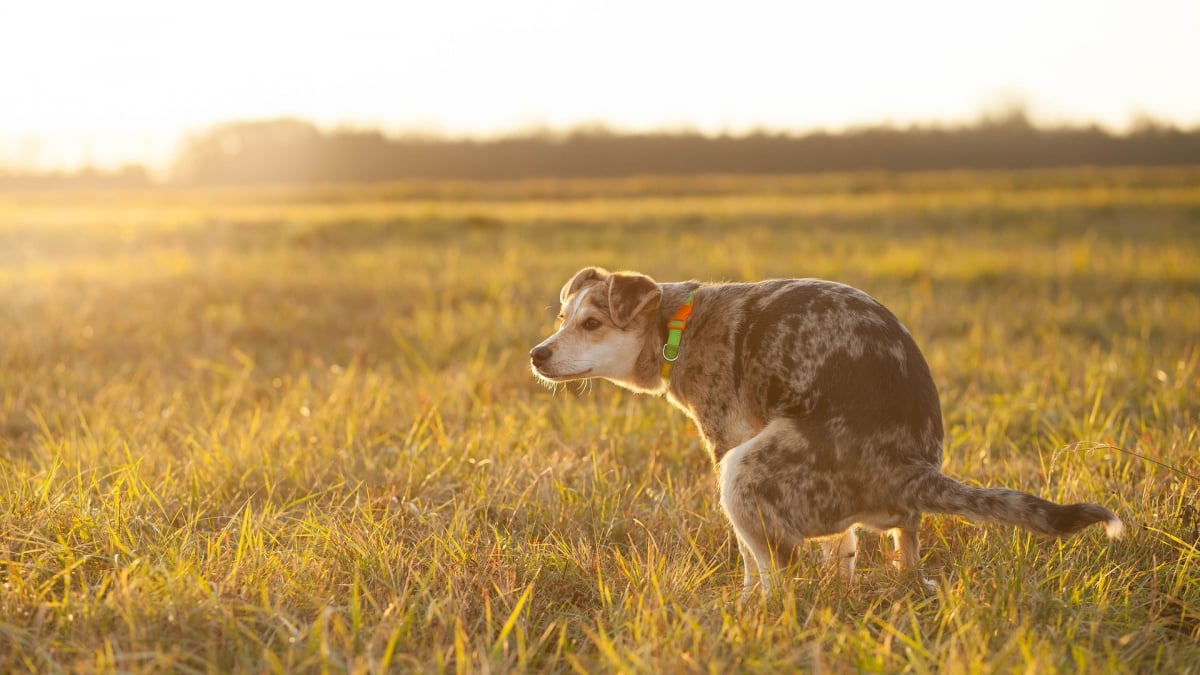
x=763 y=532
x=749 y=568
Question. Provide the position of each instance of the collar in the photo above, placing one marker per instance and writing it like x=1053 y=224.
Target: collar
x=674 y=334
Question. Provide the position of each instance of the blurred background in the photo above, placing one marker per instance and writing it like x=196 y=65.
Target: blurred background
x=134 y=92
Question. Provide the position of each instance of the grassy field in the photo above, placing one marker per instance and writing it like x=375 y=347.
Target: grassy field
x=294 y=430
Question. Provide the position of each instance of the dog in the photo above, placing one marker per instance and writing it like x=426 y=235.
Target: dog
x=818 y=409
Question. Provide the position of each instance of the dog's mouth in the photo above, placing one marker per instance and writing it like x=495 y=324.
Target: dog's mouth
x=560 y=377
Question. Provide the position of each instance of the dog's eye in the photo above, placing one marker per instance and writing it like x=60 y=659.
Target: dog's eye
x=591 y=323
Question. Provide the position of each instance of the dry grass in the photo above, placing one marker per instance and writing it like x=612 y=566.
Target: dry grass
x=294 y=430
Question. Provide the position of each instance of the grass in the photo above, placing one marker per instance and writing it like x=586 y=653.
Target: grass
x=294 y=430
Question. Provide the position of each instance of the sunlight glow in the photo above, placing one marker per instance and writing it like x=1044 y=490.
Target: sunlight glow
x=123 y=80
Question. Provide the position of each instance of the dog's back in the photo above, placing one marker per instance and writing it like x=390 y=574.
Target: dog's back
x=856 y=421
x=827 y=357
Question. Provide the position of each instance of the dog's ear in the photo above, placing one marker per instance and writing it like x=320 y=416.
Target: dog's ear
x=630 y=294
x=581 y=277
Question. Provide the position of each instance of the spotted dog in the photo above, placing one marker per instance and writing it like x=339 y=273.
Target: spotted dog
x=814 y=401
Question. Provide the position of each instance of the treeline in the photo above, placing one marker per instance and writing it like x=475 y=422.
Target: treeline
x=297 y=152
x=90 y=178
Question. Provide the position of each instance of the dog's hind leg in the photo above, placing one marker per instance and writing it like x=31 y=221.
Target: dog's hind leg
x=844 y=549
x=908 y=547
x=908 y=550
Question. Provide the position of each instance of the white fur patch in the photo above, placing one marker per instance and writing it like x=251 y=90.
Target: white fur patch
x=577 y=302
x=729 y=468
x=1114 y=528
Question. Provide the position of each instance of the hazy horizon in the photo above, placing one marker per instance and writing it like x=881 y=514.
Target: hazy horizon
x=127 y=81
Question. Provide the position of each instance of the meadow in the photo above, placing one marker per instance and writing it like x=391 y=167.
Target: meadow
x=294 y=429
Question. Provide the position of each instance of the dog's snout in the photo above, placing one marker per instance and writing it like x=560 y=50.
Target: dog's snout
x=540 y=354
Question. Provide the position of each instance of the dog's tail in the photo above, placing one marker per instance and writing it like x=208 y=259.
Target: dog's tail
x=935 y=492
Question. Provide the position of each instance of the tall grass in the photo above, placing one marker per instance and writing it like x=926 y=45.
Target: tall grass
x=292 y=431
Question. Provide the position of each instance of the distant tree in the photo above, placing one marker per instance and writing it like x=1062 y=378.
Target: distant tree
x=281 y=150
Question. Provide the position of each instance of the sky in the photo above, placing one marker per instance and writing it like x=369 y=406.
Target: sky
x=120 y=81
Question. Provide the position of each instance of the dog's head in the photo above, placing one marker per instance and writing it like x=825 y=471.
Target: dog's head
x=603 y=325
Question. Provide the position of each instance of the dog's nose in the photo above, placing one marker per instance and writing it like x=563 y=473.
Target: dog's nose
x=540 y=354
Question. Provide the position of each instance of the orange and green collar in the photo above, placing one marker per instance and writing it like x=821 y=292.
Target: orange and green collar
x=674 y=334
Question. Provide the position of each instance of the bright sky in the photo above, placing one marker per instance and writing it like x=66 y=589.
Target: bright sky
x=122 y=80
